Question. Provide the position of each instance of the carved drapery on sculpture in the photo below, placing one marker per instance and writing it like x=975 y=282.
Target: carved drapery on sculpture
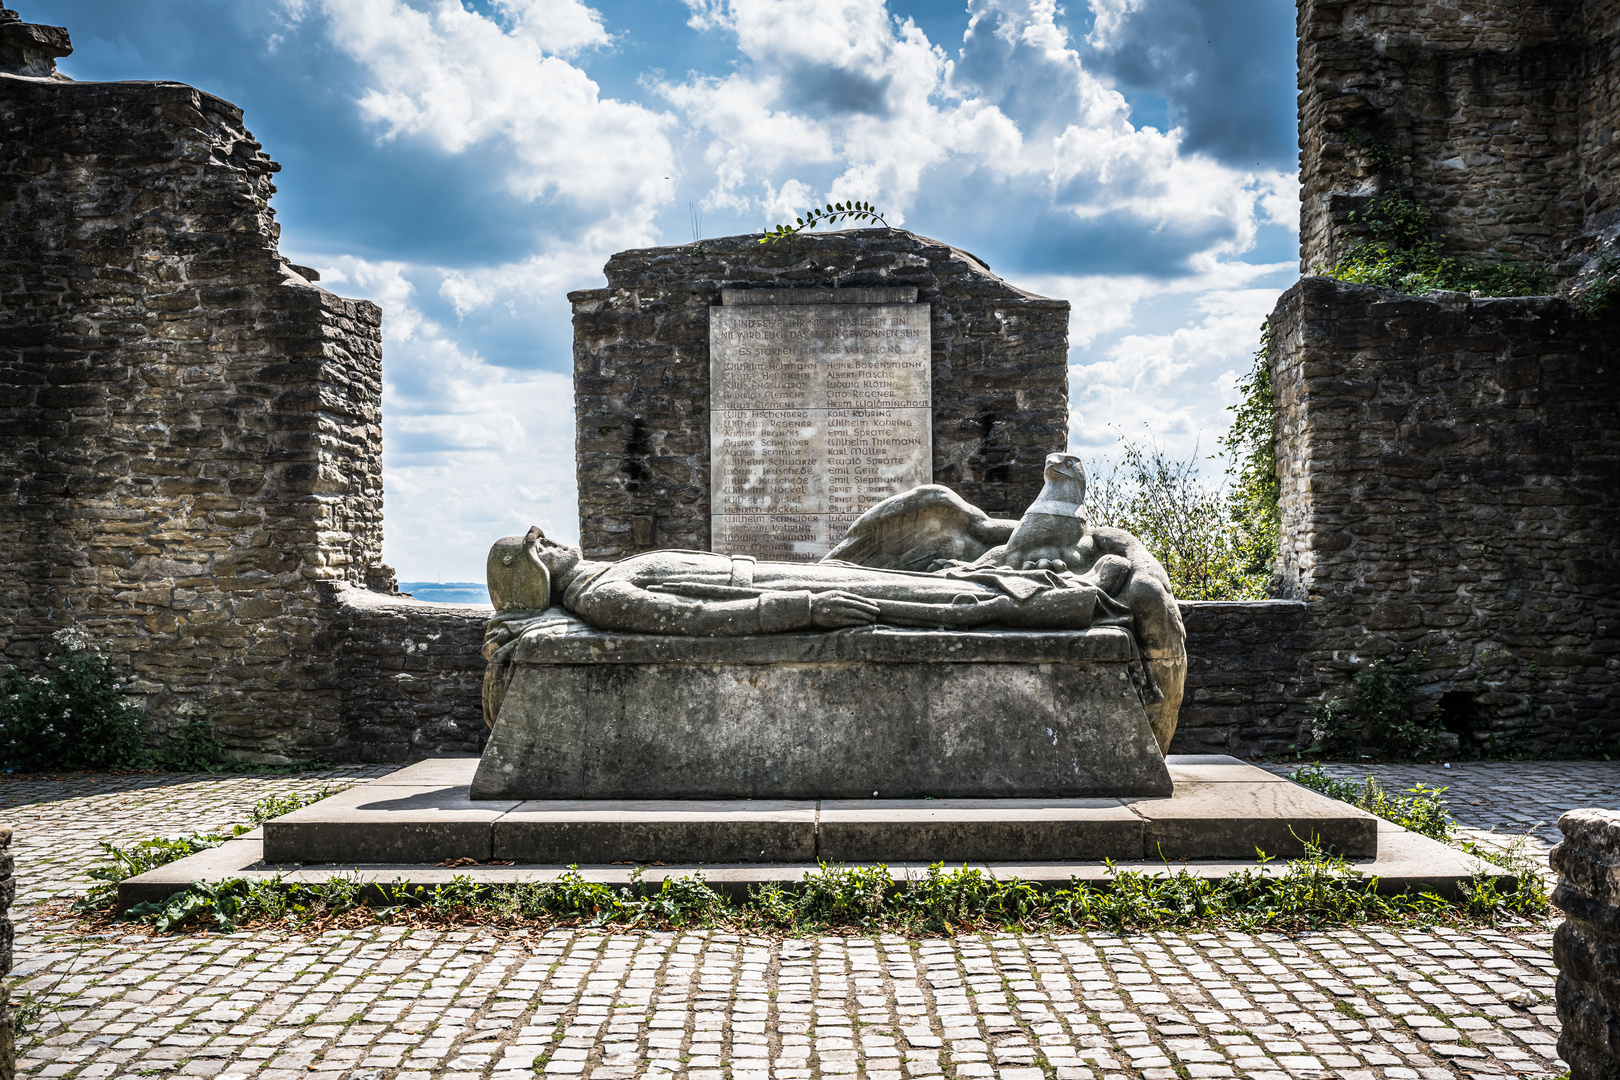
x=924 y=558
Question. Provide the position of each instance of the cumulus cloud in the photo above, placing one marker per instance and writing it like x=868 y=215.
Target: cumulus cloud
x=459 y=81
x=844 y=101
x=1214 y=62
x=1170 y=386
x=472 y=451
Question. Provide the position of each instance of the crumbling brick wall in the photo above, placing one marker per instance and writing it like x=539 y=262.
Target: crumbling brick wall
x=1450 y=477
x=641 y=374
x=1489 y=113
x=190 y=430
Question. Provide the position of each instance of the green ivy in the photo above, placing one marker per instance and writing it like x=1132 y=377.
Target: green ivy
x=1251 y=449
x=1403 y=251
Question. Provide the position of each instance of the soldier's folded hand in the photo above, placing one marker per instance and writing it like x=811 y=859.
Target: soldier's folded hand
x=831 y=610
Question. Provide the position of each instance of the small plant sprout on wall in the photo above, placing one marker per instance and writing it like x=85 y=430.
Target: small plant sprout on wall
x=831 y=214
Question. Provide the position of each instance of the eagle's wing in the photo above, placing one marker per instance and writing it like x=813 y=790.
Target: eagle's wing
x=917 y=528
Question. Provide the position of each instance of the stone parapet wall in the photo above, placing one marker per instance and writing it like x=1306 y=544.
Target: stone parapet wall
x=190 y=431
x=1486 y=109
x=641 y=374
x=1450 y=482
x=409 y=674
x=1586 y=945
x=1247 y=676
x=8 y=938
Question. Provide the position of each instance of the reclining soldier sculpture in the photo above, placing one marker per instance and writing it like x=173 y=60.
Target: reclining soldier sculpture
x=923 y=558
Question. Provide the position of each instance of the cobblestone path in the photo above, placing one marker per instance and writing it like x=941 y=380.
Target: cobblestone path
x=390 y=1002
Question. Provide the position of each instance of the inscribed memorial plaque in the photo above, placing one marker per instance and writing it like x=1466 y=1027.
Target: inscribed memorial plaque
x=818 y=410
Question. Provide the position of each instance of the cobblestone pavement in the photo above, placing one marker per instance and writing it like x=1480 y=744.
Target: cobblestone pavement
x=393 y=1003
x=1496 y=802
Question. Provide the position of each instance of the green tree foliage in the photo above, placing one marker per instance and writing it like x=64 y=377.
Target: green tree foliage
x=1184 y=520
x=1217 y=541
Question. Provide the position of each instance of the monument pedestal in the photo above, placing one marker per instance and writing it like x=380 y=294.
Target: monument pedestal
x=397 y=829
x=872 y=712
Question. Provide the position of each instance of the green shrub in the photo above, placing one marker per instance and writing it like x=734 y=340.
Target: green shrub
x=1402 y=250
x=71 y=713
x=1382 y=715
x=193 y=746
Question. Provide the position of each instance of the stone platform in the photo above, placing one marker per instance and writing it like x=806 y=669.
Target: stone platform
x=398 y=827
x=1222 y=809
x=852 y=714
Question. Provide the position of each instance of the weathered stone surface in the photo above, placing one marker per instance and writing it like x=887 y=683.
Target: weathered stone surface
x=641 y=374
x=1450 y=478
x=1587 y=944
x=563 y=832
x=818 y=411
x=190 y=432
x=386 y=824
x=1498 y=118
x=190 y=438
x=878 y=712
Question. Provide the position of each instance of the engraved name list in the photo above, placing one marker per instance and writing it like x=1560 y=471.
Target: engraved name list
x=817 y=411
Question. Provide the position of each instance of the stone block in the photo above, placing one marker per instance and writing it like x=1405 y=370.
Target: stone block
x=1586 y=944
x=955 y=831
x=1228 y=820
x=386 y=824
x=688 y=830
x=865 y=713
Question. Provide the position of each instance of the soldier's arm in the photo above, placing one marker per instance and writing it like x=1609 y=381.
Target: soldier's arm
x=627 y=607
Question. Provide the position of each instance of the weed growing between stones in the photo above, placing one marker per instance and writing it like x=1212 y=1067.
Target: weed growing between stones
x=1422 y=810
x=276 y=805
x=1315 y=891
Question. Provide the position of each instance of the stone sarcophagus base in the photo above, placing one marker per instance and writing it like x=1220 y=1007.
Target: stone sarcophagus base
x=874 y=711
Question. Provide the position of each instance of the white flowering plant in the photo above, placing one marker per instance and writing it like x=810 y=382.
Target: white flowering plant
x=71 y=712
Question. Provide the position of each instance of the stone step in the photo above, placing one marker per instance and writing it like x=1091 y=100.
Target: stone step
x=1221 y=809
x=1405 y=861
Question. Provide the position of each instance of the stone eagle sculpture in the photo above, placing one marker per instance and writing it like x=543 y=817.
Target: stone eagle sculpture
x=923 y=558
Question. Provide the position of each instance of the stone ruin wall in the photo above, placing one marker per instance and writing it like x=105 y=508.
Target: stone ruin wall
x=190 y=432
x=641 y=374
x=1450 y=466
x=1450 y=473
x=1499 y=117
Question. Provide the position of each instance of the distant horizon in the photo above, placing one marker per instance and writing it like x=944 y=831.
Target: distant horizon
x=466 y=164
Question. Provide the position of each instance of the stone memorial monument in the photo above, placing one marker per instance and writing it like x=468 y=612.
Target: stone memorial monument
x=935 y=651
x=820 y=407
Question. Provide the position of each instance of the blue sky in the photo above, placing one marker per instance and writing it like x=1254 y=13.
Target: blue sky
x=466 y=164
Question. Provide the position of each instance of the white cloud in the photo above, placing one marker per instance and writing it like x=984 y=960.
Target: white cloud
x=1109 y=20
x=462 y=81
x=1171 y=386
x=471 y=451
x=847 y=93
